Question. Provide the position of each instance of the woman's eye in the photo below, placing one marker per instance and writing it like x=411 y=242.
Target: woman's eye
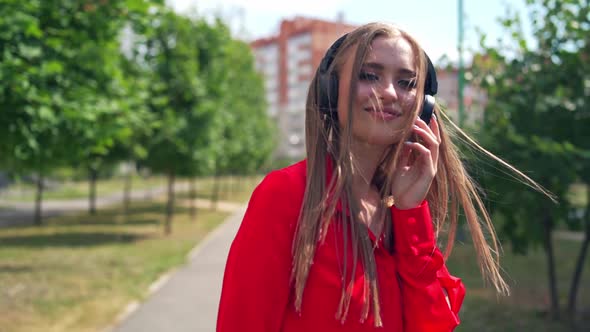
x=408 y=84
x=364 y=76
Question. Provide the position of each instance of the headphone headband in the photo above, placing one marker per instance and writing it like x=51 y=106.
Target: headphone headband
x=431 y=84
x=330 y=54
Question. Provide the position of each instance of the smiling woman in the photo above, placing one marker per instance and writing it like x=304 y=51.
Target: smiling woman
x=346 y=240
x=386 y=90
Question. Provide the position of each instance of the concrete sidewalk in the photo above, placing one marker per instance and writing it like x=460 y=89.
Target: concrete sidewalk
x=187 y=299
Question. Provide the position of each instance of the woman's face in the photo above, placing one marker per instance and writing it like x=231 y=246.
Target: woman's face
x=385 y=92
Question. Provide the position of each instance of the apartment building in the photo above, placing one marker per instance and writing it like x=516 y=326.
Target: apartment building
x=474 y=98
x=288 y=62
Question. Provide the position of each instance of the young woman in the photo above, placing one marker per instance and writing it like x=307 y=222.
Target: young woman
x=346 y=240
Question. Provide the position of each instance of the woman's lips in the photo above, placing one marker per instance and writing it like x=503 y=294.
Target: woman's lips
x=385 y=113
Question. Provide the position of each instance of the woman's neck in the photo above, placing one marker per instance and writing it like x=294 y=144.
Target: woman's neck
x=365 y=160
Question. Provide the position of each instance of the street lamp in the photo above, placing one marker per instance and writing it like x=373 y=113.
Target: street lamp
x=460 y=71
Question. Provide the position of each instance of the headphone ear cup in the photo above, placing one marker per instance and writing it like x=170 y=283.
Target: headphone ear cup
x=322 y=93
x=328 y=94
x=427 y=108
x=333 y=93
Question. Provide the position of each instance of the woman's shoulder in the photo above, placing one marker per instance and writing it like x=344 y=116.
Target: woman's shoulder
x=290 y=178
x=278 y=197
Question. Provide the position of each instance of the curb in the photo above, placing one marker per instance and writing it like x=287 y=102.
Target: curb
x=164 y=278
x=132 y=306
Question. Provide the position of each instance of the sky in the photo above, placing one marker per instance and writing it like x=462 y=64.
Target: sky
x=434 y=23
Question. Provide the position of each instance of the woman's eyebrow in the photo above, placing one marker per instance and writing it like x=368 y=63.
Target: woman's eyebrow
x=379 y=66
x=405 y=71
x=374 y=65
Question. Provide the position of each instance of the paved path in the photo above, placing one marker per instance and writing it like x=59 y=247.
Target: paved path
x=187 y=300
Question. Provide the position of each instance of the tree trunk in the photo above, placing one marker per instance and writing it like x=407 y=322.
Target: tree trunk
x=571 y=304
x=193 y=197
x=548 y=246
x=239 y=183
x=170 y=204
x=145 y=178
x=92 y=188
x=215 y=192
x=38 y=200
x=232 y=186
x=225 y=183
x=148 y=192
x=127 y=192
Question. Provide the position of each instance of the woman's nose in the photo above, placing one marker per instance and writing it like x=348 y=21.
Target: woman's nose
x=388 y=92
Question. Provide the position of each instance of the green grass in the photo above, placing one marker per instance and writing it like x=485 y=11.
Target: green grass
x=578 y=195
x=232 y=188
x=25 y=192
x=77 y=273
x=526 y=308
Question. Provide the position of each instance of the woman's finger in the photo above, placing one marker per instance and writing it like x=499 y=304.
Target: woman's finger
x=430 y=136
x=419 y=123
x=436 y=131
x=435 y=128
x=427 y=136
x=404 y=159
x=422 y=151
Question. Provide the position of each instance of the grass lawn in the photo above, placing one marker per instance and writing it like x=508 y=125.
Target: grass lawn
x=578 y=195
x=25 y=192
x=525 y=310
x=77 y=273
x=230 y=188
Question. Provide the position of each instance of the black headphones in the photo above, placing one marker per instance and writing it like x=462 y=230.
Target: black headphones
x=328 y=85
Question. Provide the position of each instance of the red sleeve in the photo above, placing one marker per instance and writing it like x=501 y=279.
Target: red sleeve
x=256 y=286
x=423 y=274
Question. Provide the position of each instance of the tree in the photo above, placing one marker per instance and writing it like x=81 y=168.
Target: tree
x=177 y=93
x=109 y=93
x=62 y=84
x=104 y=118
x=536 y=116
x=56 y=64
x=244 y=135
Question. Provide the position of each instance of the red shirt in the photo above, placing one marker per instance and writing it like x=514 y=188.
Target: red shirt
x=257 y=295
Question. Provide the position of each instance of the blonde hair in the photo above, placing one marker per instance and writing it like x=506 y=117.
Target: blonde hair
x=452 y=189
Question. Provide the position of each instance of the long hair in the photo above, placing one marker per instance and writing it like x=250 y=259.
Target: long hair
x=329 y=145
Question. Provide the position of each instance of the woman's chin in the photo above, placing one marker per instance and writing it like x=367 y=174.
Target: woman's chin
x=374 y=141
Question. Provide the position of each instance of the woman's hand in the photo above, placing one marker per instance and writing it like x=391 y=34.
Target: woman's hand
x=413 y=176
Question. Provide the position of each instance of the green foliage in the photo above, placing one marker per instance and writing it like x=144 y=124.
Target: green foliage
x=246 y=132
x=62 y=81
x=537 y=116
x=208 y=98
x=175 y=93
x=89 y=83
